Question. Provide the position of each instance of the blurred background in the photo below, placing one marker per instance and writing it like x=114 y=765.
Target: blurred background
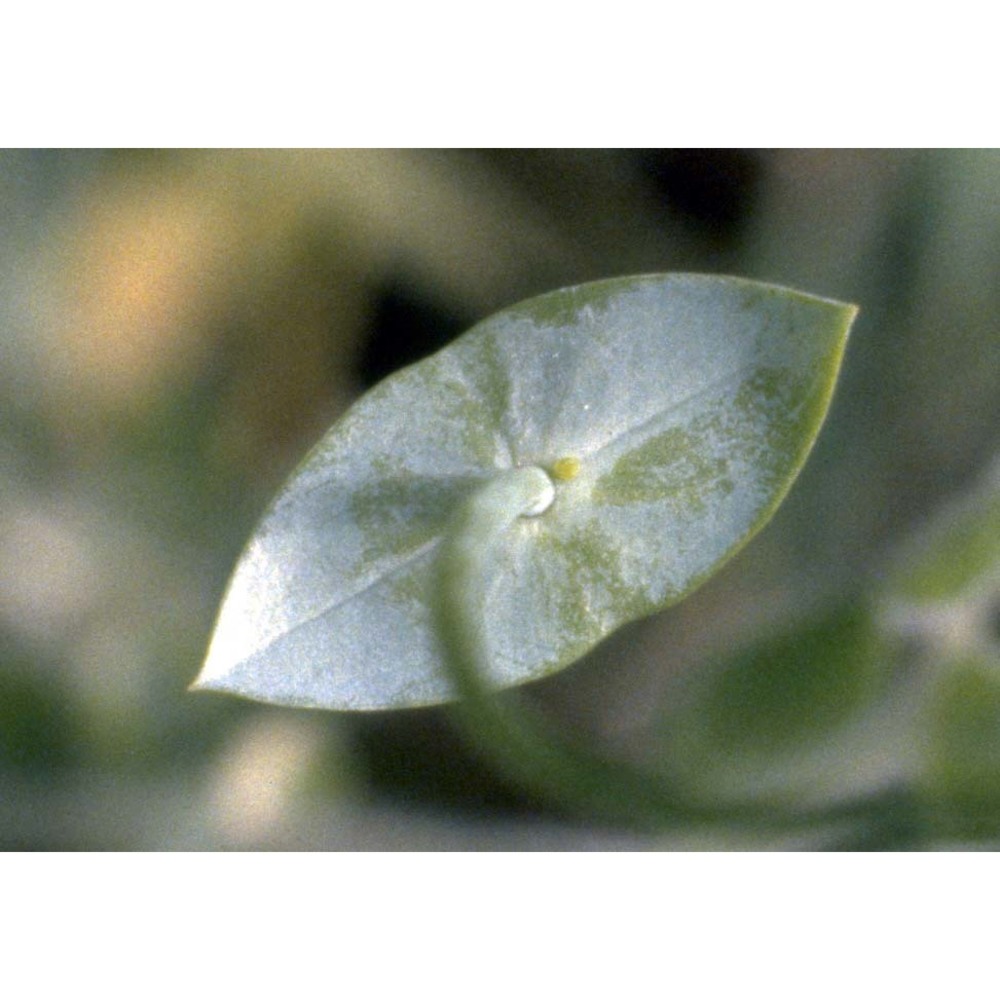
x=178 y=327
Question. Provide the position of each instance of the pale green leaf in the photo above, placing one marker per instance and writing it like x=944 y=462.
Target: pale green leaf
x=957 y=555
x=672 y=412
x=803 y=717
x=961 y=778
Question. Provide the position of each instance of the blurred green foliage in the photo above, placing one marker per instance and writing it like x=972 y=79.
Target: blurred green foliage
x=790 y=688
x=36 y=724
x=963 y=773
x=963 y=554
x=177 y=327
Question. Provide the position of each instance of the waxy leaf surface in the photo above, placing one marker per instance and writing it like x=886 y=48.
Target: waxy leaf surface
x=673 y=413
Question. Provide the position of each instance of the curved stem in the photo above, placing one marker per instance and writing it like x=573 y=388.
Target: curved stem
x=520 y=740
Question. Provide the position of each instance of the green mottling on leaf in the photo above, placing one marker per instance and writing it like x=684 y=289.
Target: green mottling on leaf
x=592 y=592
x=761 y=424
x=774 y=406
x=673 y=467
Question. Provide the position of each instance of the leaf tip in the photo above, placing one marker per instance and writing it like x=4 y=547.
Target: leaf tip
x=200 y=683
x=211 y=676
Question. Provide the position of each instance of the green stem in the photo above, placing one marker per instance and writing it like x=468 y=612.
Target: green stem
x=521 y=741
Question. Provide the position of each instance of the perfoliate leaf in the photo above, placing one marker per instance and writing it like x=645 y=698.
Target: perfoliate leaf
x=672 y=413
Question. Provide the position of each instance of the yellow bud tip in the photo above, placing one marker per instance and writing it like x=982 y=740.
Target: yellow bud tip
x=566 y=468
